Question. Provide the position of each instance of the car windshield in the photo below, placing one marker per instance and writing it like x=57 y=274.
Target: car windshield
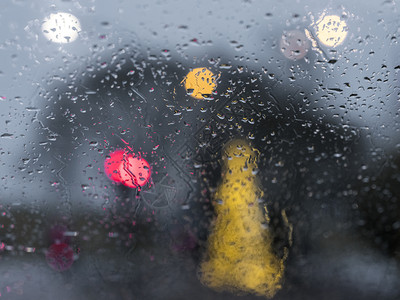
x=199 y=149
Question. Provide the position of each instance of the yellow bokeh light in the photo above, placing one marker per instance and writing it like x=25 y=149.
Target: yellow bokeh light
x=331 y=30
x=61 y=28
x=239 y=255
x=200 y=83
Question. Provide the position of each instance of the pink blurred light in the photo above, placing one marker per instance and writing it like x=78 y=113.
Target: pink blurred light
x=127 y=168
x=60 y=257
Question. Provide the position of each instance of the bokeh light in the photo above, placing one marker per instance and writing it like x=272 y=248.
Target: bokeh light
x=111 y=165
x=239 y=255
x=294 y=44
x=128 y=169
x=331 y=30
x=200 y=83
x=60 y=257
x=61 y=28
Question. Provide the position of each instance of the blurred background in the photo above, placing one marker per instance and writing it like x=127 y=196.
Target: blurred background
x=312 y=85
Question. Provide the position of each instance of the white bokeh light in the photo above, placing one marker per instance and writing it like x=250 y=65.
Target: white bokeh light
x=331 y=30
x=61 y=28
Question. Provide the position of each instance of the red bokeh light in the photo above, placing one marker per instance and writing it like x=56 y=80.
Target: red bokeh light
x=127 y=168
x=60 y=257
x=111 y=165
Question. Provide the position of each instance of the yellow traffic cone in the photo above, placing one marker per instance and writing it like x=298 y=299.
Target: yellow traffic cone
x=239 y=257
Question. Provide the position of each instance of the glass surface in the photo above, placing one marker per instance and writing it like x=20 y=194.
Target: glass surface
x=202 y=150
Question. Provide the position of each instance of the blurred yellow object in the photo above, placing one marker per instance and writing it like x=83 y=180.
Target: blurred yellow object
x=200 y=83
x=239 y=256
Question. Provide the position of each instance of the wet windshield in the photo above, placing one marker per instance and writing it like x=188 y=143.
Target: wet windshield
x=211 y=150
